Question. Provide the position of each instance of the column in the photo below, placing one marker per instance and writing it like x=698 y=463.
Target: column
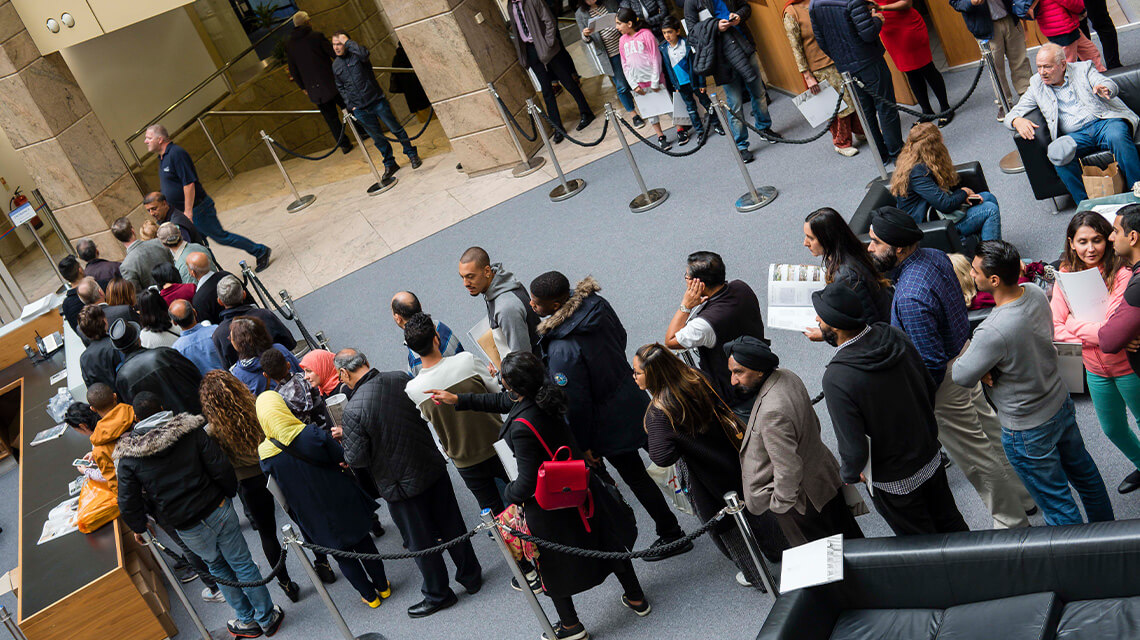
x=457 y=47
x=60 y=140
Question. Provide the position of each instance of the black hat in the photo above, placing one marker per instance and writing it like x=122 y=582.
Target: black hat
x=752 y=353
x=895 y=227
x=124 y=334
x=839 y=307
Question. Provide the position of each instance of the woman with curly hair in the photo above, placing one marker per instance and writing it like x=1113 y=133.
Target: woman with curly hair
x=925 y=179
x=232 y=421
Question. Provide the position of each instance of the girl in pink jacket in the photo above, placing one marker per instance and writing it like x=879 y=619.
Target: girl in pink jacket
x=641 y=62
x=1112 y=383
x=1059 y=20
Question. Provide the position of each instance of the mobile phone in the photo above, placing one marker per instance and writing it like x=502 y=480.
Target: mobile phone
x=80 y=462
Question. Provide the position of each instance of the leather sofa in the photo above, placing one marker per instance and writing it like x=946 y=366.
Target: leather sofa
x=940 y=234
x=1043 y=178
x=1074 y=582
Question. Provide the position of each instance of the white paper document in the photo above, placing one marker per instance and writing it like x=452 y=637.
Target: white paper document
x=1086 y=294
x=1071 y=365
x=653 y=103
x=510 y=465
x=807 y=565
x=817 y=108
x=61 y=520
x=867 y=469
x=1108 y=211
x=37 y=308
x=789 y=295
x=604 y=21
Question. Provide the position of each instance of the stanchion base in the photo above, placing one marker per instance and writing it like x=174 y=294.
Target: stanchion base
x=301 y=203
x=572 y=188
x=380 y=187
x=371 y=636
x=1011 y=163
x=220 y=634
x=528 y=167
x=747 y=204
x=642 y=203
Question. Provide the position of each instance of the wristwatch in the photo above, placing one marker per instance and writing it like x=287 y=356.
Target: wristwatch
x=685 y=309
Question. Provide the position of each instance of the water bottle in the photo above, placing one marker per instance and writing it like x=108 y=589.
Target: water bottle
x=57 y=406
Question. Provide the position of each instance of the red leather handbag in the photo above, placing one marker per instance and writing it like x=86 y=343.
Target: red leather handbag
x=563 y=483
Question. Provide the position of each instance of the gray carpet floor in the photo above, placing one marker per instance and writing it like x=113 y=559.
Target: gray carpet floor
x=639 y=261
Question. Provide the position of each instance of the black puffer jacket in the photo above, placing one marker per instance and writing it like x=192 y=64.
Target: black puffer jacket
x=724 y=55
x=847 y=32
x=163 y=371
x=385 y=434
x=181 y=470
x=355 y=80
x=655 y=12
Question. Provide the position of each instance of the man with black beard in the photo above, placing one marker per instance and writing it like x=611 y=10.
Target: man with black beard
x=786 y=468
x=881 y=400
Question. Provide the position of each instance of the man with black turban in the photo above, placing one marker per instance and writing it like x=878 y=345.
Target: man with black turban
x=785 y=467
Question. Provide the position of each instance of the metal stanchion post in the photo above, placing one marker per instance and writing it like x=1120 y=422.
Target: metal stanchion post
x=10 y=625
x=294 y=542
x=299 y=201
x=1010 y=162
x=526 y=166
x=648 y=198
x=568 y=188
x=733 y=501
x=176 y=584
x=380 y=186
x=756 y=197
x=852 y=90
x=531 y=599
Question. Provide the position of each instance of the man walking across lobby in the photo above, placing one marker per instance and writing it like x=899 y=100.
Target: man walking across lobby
x=179 y=182
x=357 y=84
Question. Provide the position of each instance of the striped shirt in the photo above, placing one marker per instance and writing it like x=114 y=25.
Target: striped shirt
x=449 y=345
x=610 y=36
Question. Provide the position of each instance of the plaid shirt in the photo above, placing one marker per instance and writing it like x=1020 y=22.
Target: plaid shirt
x=928 y=306
x=448 y=346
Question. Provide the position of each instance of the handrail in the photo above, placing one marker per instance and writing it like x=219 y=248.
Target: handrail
x=201 y=85
x=259 y=113
x=395 y=69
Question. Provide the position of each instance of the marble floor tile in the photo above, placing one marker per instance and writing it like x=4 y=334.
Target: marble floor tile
x=400 y=226
x=328 y=248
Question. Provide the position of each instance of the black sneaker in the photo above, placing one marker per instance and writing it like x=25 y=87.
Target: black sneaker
x=717 y=129
x=275 y=618
x=682 y=137
x=415 y=162
x=263 y=261
x=389 y=171
x=377 y=529
x=557 y=137
x=1130 y=483
x=577 y=632
x=185 y=573
x=638 y=121
x=585 y=121
x=325 y=572
x=532 y=581
x=662 y=541
x=642 y=609
x=240 y=629
x=664 y=143
x=771 y=136
x=291 y=589
x=746 y=156
x=346 y=149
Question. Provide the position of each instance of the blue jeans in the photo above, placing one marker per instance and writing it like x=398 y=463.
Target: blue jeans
x=206 y=219
x=1112 y=135
x=882 y=120
x=370 y=118
x=690 y=97
x=218 y=540
x=734 y=96
x=982 y=218
x=1049 y=458
x=621 y=85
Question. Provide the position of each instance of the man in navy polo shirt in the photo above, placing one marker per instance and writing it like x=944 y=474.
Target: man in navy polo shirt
x=178 y=181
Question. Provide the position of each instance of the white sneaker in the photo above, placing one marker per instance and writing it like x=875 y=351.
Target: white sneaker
x=741 y=580
x=212 y=596
x=846 y=151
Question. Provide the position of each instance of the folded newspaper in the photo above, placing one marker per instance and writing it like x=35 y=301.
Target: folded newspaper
x=789 y=295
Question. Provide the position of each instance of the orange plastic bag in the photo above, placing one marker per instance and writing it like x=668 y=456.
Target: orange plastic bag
x=98 y=505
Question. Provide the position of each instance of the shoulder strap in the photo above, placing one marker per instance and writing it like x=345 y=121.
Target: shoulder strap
x=535 y=432
x=288 y=448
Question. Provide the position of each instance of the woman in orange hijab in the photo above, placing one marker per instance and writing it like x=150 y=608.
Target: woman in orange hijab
x=320 y=372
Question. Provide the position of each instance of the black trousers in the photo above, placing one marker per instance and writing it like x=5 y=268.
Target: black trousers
x=332 y=118
x=561 y=67
x=429 y=519
x=812 y=525
x=928 y=509
x=882 y=120
x=1102 y=23
x=481 y=480
x=262 y=511
x=632 y=470
x=366 y=576
x=928 y=76
x=564 y=605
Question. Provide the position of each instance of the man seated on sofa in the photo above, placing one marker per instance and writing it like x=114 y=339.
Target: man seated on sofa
x=1084 y=115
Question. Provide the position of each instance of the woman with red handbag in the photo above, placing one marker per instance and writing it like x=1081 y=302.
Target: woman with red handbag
x=537 y=433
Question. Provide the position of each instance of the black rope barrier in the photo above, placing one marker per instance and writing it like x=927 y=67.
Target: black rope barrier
x=559 y=129
x=767 y=135
x=918 y=114
x=706 y=129
x=423 y=129
x=251 y=280
x=515 y=123
x=407 y=555
x=339 y=140
x=273 y=573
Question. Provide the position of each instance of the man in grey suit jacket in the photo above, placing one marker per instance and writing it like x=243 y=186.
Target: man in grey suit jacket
x=142 y=255
x=1084 y=114
x=786 y=467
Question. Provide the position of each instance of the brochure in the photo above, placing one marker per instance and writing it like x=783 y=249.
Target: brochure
x=789 y=295
x=811 y=564
x=817 y=108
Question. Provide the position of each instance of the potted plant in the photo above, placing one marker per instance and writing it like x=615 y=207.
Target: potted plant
x=266 y=16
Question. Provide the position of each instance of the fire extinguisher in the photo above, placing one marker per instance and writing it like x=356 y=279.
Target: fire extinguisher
x=19 y=199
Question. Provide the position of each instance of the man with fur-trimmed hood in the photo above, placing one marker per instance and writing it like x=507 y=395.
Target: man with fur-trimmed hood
x=583 y=342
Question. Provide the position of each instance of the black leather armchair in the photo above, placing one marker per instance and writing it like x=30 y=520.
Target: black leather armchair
x=1073 y=582
x=1043 y=178
x=940 y=234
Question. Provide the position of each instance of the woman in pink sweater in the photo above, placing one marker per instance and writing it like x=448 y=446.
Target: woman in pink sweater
x=1112 y=383
x=1059 y=20
x=641 y=63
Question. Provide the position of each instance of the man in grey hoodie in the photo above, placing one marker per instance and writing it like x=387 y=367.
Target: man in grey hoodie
x=508 y=303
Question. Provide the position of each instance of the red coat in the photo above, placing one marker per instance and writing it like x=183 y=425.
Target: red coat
x=905 y=37
x=1058 y=17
